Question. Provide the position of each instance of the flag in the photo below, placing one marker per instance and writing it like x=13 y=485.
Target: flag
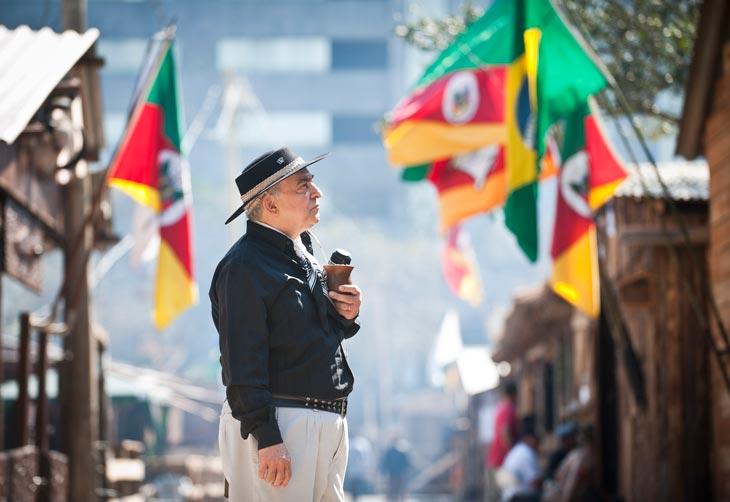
x=149 y=167
x=589 y=176
x=561 y=76
x=506 y=80
x=458 y=113
x=459 y=267
x=446 y=349
x=469 y=184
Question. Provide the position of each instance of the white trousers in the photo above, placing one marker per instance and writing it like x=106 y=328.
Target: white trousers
x=317 y=443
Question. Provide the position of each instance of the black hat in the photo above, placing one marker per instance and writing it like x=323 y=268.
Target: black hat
x=265 y=172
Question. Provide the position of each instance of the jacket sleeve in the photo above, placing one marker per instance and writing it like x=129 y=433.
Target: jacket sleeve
x=256 y=420
x=348 y=326
x=244 y=345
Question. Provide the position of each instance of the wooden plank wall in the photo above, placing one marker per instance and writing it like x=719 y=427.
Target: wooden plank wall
x=717 y=150
x=653 y=451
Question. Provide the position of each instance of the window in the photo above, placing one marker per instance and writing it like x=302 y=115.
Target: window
x=274 y=55
x=359 y=55
x=123 y=56
x=298 y=129
x=354 y=129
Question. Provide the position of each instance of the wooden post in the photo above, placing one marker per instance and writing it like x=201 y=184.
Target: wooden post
x=41 y=419
x=2 y=369
x=23 y=376
x=78 y=382
x=103 y=411
x=74 y=15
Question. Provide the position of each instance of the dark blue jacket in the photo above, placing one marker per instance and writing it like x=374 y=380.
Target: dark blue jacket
x=276 y=335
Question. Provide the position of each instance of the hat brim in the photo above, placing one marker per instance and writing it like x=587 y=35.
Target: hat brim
x=240 y=210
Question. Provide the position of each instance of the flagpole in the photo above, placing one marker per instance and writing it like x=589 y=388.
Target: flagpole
x=201 y=119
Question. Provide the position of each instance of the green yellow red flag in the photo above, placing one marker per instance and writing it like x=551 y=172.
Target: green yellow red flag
x=590 y=174
x=460 y=268
x=149 y=167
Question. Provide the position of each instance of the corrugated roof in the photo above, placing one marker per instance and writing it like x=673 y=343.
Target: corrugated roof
x=33 y=63
x=685 y=180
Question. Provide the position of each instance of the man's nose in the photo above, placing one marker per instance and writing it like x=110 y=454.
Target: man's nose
x=316 y=192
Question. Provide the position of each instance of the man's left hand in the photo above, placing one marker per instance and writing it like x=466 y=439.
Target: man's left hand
x=347 y=300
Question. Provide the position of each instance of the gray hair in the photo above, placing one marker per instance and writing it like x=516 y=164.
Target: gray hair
x=254 y=208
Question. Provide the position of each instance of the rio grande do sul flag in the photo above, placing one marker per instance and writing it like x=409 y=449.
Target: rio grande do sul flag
x=469 y=184
x=150 y=168
x=590 y=174
x=458 y=113
x=460 y=267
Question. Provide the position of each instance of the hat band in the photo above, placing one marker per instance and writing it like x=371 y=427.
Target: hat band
x=285 y=171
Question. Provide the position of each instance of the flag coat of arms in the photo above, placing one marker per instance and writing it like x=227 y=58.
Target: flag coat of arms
x=149 y=167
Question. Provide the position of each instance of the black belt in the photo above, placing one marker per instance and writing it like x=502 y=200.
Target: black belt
x=338 y=406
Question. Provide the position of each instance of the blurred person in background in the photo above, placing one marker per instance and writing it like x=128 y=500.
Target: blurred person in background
x=504 y=436
x=576 y=478
x=283 y=433
x=567 y=436
x=520 y=474
x=505 y=425
x=360 y=468
x=395 y=464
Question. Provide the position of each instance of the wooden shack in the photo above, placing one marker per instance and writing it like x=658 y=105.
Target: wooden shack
x=644 y=390
x=661 y=411
x=549 y=347
x=705 y=130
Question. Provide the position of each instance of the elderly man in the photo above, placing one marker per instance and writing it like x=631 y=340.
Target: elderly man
x=283 y=433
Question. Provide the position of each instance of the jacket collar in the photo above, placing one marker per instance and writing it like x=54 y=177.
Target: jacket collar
x=276 y=238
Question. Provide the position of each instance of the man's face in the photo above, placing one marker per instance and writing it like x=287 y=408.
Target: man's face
x=298 y=202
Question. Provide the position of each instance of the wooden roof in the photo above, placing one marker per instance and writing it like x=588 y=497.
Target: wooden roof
x=535 y=315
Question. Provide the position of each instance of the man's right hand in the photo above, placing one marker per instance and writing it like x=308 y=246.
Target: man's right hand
x=275 y=465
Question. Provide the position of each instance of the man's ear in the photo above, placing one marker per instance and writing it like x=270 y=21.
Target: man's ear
x=270 y=204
